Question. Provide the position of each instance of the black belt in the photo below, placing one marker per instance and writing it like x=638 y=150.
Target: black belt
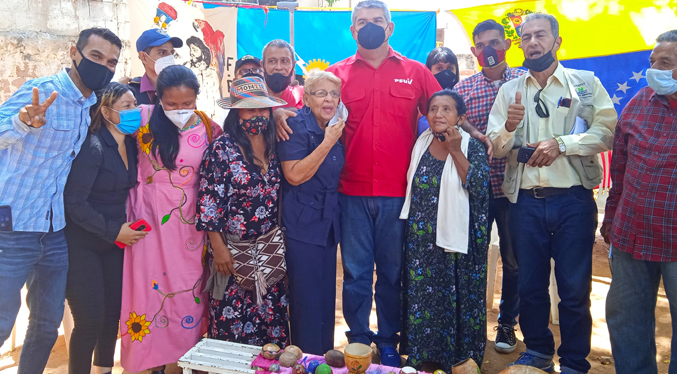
x=543 y=192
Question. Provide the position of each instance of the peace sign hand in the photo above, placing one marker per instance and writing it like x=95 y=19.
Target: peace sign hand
x=34 y=115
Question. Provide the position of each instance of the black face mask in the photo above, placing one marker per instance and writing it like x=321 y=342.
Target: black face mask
x=94 y=76
x=447 y=79
x=541 y=63
x=278 y=82
x=371 y=36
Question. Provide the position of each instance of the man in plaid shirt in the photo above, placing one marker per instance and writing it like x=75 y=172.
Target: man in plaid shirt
x=479 y=92
x=639 y=220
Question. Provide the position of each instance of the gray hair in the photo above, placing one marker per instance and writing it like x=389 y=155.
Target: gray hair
x=371 y=4
x=554 y=25
x=277 y=43
x=316 y=75
x=668 y=36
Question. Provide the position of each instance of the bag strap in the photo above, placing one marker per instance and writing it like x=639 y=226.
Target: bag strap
x=207 y=122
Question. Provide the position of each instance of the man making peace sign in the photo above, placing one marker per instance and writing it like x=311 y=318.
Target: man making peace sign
x=42 y=127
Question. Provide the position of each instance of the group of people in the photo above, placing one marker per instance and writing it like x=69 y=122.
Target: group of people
x=148 y=216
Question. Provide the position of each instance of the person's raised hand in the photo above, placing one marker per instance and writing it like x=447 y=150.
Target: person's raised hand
x=33 y=115
x=333 y=133
x=546 y=152
x=452 y=140
x=129 y=236
x=280 y=116
x=515 y=113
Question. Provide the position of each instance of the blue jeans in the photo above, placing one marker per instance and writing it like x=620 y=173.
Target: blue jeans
x=510 y=301
x=371 y=232
x=40 y=260
x=561 y=227
x=631 y=308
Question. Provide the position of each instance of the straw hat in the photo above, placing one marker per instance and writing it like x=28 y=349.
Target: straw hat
x=249 y=92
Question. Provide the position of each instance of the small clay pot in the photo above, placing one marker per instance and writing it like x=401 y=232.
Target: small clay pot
x=335 y=358
x=312 y=365
x=274 y=368
x=323 y=369
x=271 y=351
x=288 y=359
x=295 y=350
x=522 y=369
x=438 y=371
x=299 y=369
x=467 y=366
x=408 y=370
x=358 y=358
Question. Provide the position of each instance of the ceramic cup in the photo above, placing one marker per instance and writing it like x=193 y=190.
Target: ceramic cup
x=358 y=358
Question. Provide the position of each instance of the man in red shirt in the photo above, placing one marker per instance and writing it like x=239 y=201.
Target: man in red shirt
x=279 y=60
x=383 y=92
x=640 y=222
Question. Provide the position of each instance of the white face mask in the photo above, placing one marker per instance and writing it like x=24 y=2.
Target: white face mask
x=661 y=81
x=179 y=117
x=163 y=62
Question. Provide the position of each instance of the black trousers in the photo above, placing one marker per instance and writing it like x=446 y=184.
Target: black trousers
x=94 y=293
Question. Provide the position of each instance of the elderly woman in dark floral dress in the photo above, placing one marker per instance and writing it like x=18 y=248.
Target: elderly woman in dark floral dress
x=445 y=254
x=238 y=202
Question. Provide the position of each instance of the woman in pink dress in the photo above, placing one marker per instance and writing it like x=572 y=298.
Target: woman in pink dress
x=162 y=300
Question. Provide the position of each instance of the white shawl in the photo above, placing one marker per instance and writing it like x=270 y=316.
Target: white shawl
x=453 y=210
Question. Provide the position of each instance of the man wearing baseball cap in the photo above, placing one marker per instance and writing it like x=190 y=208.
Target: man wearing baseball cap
x=156 y=52
x=248 y=65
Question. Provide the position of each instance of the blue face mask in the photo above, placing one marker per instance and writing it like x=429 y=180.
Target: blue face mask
x=130 y=121
x=661 y=81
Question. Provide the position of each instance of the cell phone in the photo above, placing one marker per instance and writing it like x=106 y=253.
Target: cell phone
x=140 y=225
x=525 y=153
x=6 y=218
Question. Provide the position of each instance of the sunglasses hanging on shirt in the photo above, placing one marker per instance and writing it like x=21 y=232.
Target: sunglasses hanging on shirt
x=541 y=109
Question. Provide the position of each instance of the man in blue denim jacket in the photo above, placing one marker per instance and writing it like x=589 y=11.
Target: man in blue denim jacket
x=42 y=127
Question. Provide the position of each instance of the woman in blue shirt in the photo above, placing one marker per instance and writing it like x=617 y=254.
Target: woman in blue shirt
x=312 y=160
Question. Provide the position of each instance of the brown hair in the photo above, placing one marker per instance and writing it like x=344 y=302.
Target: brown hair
x=105 y=97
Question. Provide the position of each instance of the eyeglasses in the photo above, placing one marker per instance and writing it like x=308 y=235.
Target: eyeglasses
x=244 y=72
x=323 y=93
x=541 y=110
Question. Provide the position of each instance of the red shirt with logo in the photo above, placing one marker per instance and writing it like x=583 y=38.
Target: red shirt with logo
x=383 y=105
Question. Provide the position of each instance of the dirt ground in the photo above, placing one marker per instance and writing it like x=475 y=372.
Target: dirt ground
x=493 y=361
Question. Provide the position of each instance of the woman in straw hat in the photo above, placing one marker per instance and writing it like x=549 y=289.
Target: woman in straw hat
x=238 y=208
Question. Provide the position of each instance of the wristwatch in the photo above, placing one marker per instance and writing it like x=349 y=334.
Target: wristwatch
x=562 y=147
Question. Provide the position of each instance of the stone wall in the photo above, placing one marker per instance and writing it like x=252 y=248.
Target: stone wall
x=35 y=36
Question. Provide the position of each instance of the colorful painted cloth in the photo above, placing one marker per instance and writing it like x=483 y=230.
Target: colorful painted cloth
x=162 y=301
x=234 y=197
x=444 y=308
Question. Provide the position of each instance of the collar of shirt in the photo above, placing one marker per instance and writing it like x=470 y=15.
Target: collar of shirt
x=663 y=100
x=71 y=91
x=507 y=75
x=358 y=56
x=146 y=85
x=310 y=122
x=107 y=137
x=558 y=74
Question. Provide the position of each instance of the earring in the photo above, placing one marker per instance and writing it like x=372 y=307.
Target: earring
x=304 y=110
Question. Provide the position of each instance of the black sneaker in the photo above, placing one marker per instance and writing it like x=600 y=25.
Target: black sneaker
x=506 y=342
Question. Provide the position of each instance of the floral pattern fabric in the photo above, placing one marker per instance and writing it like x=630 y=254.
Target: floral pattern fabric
x=444 y=308
x=236 y=199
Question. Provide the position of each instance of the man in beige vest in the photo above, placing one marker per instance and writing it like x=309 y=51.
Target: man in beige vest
x=550 y=124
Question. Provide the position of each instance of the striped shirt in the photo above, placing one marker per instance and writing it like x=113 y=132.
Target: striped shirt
x=36 y=162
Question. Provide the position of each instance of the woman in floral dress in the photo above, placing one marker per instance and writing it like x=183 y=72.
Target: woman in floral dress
x=238 y=201
x=445 y=256
x=162 y=301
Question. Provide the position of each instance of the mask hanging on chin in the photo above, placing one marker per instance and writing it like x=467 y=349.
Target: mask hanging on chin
x=94 y=76
x=542 y=63
x=278 y=82
x=371 y=36
x=447 y=79
x=179 y=117
x=661 y=81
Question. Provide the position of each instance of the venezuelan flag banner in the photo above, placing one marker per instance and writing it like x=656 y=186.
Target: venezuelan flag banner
x=322 y=38
x=612 y=38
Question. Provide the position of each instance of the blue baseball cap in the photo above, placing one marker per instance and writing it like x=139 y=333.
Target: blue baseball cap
x=154 y=38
